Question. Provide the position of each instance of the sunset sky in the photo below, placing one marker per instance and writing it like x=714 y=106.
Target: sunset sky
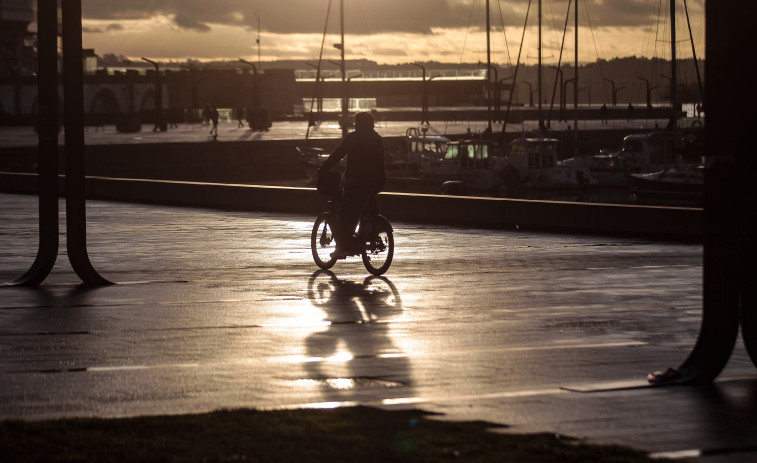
x=386 y=31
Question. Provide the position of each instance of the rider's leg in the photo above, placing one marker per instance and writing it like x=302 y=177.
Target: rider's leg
x=349 y=215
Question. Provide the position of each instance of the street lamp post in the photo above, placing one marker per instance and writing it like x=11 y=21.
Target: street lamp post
x=349 y=79
x=562 y=90
x=612 y=87
x=670 y=86
x=255 y=90
x=649 y=91
x=530 y=93
x=317 y=89
x=427 y=86
x=588 y=89
x=491 y=67
x=192 y=86
x=498 y=114
x=424 y=94
x=344 y=121
x=565 y=88
x=160 y=125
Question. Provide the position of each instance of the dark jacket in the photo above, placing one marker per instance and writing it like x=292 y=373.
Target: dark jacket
x=364 y=149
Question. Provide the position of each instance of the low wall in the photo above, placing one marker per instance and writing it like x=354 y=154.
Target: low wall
x=228 y=162
x=666 y=223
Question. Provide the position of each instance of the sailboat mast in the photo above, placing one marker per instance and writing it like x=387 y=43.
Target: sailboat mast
x=488 y=71
x=673 y=76
x=694 y=52
x=345 y=101
x=575 y=85
x=538 y=73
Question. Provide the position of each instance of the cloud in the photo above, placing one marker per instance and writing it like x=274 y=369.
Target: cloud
x=100 y=30
x=284 y=16
x=187 y=22
x=388 y=31
x=364 y=17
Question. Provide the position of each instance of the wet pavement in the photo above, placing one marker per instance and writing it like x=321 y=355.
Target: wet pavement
x=216 y=309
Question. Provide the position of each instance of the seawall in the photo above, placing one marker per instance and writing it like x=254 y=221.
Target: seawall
x=664 y=223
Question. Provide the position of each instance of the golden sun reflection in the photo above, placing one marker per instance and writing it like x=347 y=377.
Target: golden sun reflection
x=357 y=315
x=341 y=383
x=340 y=357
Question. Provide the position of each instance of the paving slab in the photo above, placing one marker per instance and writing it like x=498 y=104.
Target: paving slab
x=217 y=309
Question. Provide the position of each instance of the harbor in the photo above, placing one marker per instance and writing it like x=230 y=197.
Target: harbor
x=557 y=269
x=187 y=152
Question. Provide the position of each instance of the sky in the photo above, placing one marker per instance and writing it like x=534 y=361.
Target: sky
x=385 y=31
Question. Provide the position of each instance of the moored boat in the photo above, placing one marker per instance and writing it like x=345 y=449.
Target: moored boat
x=417 y=154
x=311 y=159
x=532 y=164
x=678 y=183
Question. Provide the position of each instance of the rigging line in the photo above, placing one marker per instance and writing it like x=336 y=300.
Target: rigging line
x=502 y=20
x=694 y=51
x=653 y=24
x=648 y=45
x=668 y=42
x=642 y=64
x=553 y=17
x=659 y=33
x=596 y=47
x=467 y=31
x=515 y=77
x=318 y=68
x=323 y=40
x=557 y=72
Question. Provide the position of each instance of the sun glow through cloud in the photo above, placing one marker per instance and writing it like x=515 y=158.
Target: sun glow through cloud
x=622 y=29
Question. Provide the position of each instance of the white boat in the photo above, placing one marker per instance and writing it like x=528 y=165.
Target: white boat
x=417 y=155
x=606 y=168
x=680 y=182
x=532 y=164
x=642 y=152
x=639 y=154
x=648 y=152
x=471 y=162
x=312 y=158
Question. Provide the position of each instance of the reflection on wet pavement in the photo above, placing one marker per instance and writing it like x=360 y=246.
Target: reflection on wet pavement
x=335 y=356
x=220 y=309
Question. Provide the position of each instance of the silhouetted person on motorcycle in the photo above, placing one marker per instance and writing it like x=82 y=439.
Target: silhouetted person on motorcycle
x=365 y=177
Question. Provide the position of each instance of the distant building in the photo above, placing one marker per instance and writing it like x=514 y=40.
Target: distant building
x=16 y=41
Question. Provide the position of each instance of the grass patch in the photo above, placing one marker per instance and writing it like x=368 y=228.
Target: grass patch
x=357 y=434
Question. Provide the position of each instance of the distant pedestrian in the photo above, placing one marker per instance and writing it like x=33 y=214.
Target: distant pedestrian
x=265 y=118
x=250 y=117
x=603 y=113
x=240 y=117
x=206 y=115
x=630 y=112
x=173 y=116
x=214 y=120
